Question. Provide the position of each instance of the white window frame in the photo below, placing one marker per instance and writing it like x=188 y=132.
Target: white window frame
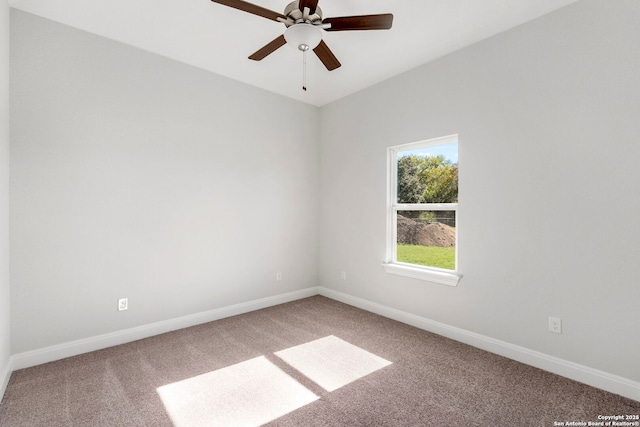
x=391 y=265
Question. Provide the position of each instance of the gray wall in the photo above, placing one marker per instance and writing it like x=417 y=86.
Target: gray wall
x=4 y=192
x=137 y=176
x=547 y=116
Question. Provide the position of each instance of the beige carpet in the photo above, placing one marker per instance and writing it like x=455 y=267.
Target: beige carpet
x=313 y=362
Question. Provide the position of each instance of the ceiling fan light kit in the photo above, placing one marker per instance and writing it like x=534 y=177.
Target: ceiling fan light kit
x=303 y=21
x=303 y=36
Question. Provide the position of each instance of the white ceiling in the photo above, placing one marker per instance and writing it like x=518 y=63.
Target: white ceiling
x=219 y=38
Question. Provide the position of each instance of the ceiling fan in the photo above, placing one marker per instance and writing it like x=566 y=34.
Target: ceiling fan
x=303 y=19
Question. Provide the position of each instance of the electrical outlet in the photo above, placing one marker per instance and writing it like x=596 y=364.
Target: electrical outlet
x=123 y=304
x=278 y=276
x=555 y=325
x=343 y=275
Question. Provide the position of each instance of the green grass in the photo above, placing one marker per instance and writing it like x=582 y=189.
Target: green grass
x=429 y=256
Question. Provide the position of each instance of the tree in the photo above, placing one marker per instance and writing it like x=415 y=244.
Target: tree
x=427 y=180
x=411 y=187
x=440 y=179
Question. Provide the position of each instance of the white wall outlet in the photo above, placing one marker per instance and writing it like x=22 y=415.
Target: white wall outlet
x=555 y=325
x=343 y=275
x=123 y=304
x=278 y=276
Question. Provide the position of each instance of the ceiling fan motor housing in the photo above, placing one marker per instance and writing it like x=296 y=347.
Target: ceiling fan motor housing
x=297 y=16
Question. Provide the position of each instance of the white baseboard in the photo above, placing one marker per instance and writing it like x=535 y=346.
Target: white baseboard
x=74 y=348
x=584 y=374
x=5 y=374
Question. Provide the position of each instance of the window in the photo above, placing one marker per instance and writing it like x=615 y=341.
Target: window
x=422 y=232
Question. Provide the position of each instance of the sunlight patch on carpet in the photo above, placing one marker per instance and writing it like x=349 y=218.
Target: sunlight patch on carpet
x=250 y=393
x=331 y=362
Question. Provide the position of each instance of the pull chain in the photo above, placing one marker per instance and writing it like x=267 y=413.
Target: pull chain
x=304 y=70
x=304 y=48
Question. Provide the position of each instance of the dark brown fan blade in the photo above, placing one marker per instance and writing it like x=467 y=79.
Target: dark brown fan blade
x=311 y=4
x=326 y=56
x=251 y=8
x=268 y=48
x=364 y=22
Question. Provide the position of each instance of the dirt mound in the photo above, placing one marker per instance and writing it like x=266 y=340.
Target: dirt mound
x=411 y=232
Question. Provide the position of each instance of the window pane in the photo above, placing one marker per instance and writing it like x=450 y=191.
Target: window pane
x=428 y=174
x=427 y=238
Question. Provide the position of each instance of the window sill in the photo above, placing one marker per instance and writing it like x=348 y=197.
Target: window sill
x=428 y=275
